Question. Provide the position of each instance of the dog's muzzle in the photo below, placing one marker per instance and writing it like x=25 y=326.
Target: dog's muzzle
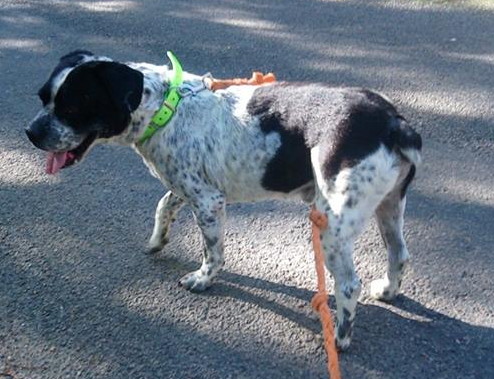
x=39 y=130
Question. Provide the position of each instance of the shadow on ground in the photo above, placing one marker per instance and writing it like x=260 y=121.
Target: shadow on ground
x=75 y=288
x=70 y=320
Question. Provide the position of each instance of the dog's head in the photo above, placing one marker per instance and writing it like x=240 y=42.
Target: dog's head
x=85 y=99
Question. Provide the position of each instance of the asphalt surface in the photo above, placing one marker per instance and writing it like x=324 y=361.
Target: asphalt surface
x=78 y=298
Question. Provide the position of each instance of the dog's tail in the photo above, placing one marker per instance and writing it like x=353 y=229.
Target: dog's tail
x=408 y=141
x=409 y=144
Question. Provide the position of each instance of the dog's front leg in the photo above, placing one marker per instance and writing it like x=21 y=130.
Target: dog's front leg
x=167 y=208
x=210 y=216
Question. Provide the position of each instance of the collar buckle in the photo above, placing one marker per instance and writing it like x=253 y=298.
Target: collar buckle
x=170 y=106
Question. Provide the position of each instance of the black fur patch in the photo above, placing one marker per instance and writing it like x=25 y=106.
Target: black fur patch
x=406 y=137
x=99 y=97
x=347 y=123
x=290 y=168
x=364 y=125
x=67 y=61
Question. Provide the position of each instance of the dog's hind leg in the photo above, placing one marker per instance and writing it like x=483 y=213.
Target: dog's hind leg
x=338 y=251
x=349 y=198
x=166 y=210
x=337 y=242
x=389 y=215
x=210 y=215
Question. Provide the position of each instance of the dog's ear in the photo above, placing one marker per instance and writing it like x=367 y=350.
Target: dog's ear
x=100 y=94
x=69 y=60
x=124 y=85
x=73 y=58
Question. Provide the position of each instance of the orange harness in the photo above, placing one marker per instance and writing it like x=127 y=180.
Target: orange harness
x=319 y=223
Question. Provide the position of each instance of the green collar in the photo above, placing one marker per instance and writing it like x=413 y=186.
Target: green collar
x=170 y=102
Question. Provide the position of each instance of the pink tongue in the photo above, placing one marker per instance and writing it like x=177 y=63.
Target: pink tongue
x=55 y=162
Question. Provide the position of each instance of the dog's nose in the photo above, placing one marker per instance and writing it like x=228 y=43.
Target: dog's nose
x=38 y=130
x=34 y=135
x=30 y=134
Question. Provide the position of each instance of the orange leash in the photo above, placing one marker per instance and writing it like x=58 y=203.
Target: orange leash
x=319 y=222
x=320 y=299
x=257 y=78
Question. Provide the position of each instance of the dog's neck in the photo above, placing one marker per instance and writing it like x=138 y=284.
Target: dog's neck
x=156 y=79
x=154 y=87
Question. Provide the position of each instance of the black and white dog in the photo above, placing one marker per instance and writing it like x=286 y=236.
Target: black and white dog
x=345 y=150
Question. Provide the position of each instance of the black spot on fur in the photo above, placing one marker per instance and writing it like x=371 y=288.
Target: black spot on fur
x=346 y=313
x=345 y=328
x=348 y=294
x=351 y=202
x=210 y=242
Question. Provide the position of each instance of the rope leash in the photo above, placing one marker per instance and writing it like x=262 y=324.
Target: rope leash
x=320 y=300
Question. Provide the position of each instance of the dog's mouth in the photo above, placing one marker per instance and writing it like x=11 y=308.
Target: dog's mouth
x=58 y=160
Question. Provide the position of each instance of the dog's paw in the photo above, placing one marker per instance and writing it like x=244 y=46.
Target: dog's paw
x=156 y=244
x=382 y=289
x=342 y=344
x=344 y=330
x=195 y=281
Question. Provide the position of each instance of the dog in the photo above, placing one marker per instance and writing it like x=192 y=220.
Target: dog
x=346 y=151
